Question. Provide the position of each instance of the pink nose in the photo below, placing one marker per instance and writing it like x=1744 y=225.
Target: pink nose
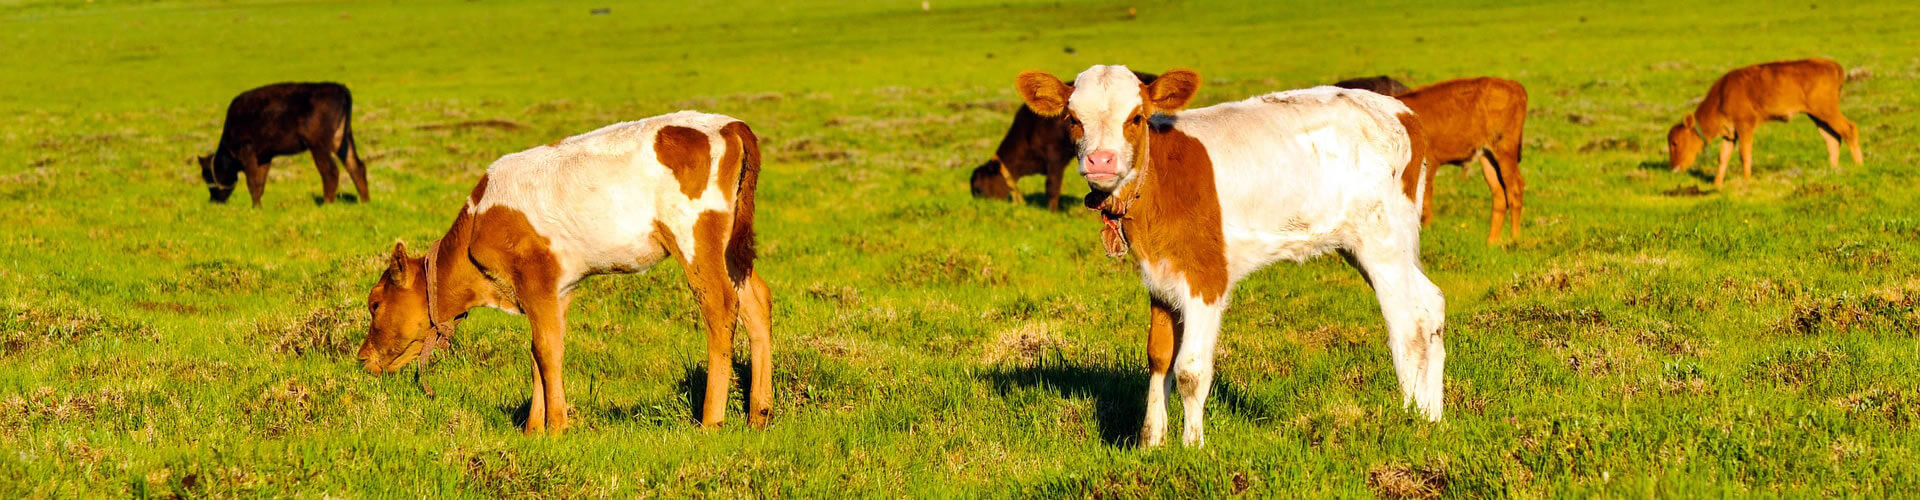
x=1101 y=162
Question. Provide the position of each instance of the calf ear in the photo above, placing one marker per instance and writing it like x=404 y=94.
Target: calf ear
x=1688 y=121
x=397 y=264
x=1043 y=92
x=1173 y=89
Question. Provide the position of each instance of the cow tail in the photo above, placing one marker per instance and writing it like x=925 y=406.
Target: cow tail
x=740 y=251
x=349 y=152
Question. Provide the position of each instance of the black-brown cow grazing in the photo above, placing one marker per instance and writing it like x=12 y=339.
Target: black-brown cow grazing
x=1477 y=118
x=1775 y=91
x=283 y=119
x=1383 y=85
x=1033 y=145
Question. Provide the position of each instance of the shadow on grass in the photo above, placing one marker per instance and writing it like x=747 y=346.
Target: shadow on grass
x=1068 y=203
x=1119 y=395
x=342 y=197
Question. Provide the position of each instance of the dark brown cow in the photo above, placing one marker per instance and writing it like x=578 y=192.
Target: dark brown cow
x=1383 y=85
x=283 y=119
x=1774 y=91
x=1477 y=118
x=1033 y=145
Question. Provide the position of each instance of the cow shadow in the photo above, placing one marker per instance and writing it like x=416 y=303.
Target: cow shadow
x=1119 y=395
x=319 y=200
x=1697 y=172
x=691 y=390
x=1067 y=202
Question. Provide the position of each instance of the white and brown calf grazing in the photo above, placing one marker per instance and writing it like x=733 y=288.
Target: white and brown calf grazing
x=1204 y=197
x=616 y=200
x=1775 y=91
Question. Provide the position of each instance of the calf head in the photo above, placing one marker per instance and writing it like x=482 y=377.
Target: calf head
x=1684 y=144
x=990 y=181
x=219 y=175
x=398 y=304
x=1107 y=109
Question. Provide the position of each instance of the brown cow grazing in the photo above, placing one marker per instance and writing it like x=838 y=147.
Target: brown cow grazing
x=1477 y=118
x=615 y=200
x=1383 y=85
x=283 y=119
x=1034 y=144
x=1739 y=101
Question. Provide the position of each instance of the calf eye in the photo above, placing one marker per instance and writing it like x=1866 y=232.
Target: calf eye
x=1073 y=120
x=1135 y=120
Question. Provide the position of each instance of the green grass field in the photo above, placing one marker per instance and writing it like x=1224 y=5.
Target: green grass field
x=1648 y=336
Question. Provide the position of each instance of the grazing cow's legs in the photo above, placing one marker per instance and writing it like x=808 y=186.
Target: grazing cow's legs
x=1726 y=154
x=537 y=403
x=256 y=176
x=1507 y=158
x=719 y=306
x=1833 y=143
x=1054 y=176
x=1163 y=334
x=1745 y=135
x=1416 y=315
x=756 y=312
x=1193 y=369
x=1499 y=194
x=547 y=312
x=329 y=172
x=1835 y=127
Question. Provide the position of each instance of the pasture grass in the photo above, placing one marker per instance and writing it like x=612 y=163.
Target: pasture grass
x=1648 y=335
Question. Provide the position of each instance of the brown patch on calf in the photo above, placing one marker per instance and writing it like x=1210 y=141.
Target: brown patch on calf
x=1417 y=173
x=1177 y=217
x=686 y=152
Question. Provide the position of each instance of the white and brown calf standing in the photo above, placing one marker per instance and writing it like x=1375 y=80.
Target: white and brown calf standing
x=1204 y=197
x=615 y=200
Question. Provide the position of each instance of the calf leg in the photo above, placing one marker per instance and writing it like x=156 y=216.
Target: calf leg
x=329 y=173
x=1726 y=154
x=1163 y=334
x=1835 y=127
x=1499 y=194
x=1415 y=313
x=1193 y=369
x=547 y=311
x=256 y=172
x=720 y=307
x=756 y=312
x=1507 y=158
x=1833 y=145
x=1054 y=177
x=1745 y=136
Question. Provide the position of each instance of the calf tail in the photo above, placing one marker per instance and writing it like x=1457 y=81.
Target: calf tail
x=740 y=251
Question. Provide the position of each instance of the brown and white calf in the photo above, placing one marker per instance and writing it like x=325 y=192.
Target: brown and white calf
x=615 y=200
x=1774 y=91
x=283 y=119
x=1204 y=197
x=1034 y=144
x=1477 y=118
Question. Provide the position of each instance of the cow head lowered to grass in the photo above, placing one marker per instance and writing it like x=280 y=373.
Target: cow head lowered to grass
x=1201 y=198
x=615 y=200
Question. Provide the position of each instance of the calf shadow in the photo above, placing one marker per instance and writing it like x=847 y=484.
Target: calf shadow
x=1039 y=200
x=342 y=197
x=690 y=389
x=1696 y=171
x=1119 y=395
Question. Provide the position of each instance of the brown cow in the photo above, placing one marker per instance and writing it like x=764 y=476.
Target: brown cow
x=1383 y=85
x=615 y=200
x=1739 y=101
x=1034 y=144
x=283 y=119
x=1477 y=118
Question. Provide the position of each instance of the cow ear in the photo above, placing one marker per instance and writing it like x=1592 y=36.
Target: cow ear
x=1043 y=92
x=1173 y=89
x=1688 y=120
x=397 y=264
